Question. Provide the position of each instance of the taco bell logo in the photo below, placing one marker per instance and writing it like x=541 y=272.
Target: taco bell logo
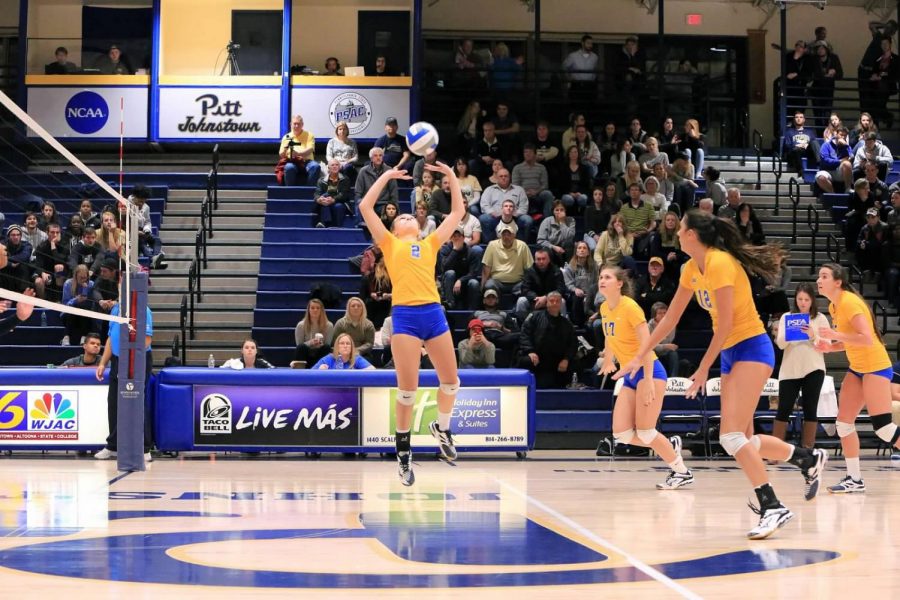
x=215 y=414
x=352 y=108
x=87 y=112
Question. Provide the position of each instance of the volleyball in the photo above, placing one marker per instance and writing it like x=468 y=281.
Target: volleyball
x=421 y=137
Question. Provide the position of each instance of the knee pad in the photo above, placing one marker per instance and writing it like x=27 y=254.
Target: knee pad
x=406 y=398
x=757 y=443
x=733 y=441
x=624 y=437
x=885 y=428
x=449 y=388
x=647 y=435
x=844 y=429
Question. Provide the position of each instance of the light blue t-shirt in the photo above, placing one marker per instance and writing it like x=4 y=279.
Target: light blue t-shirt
x=114 y=329
x=338 y=363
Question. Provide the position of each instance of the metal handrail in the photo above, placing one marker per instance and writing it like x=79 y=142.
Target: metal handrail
x=757 y=147
x=834 y=256
x=215 y=177
x=206 y=209
x=794 y=197
x=193 y=292
x=743 y=124
x=812 y=221
x=778 y=162
x=182 y=322
x=858 y=275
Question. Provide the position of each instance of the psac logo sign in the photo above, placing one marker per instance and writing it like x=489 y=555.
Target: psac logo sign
x=38 y=415
x=215 y=414
x=352 y=108
x=87 y=112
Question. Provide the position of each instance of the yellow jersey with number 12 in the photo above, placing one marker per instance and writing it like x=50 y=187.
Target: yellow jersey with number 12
x=620 y=329
x=411 y=268
x=863 y=359
x=722 y=270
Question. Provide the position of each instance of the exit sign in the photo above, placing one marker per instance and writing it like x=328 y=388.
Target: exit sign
x=693 y=19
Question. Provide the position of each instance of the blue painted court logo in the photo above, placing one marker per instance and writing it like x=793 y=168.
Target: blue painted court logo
x=416 y=251
x=87 y=112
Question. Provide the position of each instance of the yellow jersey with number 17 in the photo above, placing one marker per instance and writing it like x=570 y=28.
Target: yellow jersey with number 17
x=620 y=329
x=411 y=268
x=863 y=359
x=722 y=270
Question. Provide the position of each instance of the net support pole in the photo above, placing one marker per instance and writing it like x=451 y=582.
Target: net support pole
x=132 y=380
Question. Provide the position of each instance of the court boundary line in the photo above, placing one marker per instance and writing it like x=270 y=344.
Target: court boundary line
x=119 y=477
x=585 y=532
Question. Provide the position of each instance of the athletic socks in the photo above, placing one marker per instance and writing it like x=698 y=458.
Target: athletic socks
x=853 y=468
x=444 y=421
x=677 y=465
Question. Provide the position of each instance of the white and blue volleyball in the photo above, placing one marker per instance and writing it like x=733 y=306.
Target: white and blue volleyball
x=421 y=137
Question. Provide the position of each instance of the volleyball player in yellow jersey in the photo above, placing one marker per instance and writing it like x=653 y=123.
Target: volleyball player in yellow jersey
x=716 y=275
x=868 y=381
x=418 y=317
x=639 y=401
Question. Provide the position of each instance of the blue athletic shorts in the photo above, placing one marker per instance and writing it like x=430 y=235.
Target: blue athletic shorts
x=886 y=373
x=756 y=349
x=659 y=372
x=425 y=322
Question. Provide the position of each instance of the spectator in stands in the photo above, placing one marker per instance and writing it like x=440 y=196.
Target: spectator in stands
x=534 y=179
x=77 y=292
x=546 y=146
x=90 y=355
x=870 y=246
x=541 y=278
x=608 y=140
x=389 y=212
x=426 y=223
x=90 y=218
x=666 y=137
x=493 y=179
x=467 y=64
x=471 y=229
x=667 y=188
x=864 y=125
x=568 y=136
x=691 y=142
x=580 y=277
x=48 y=215
x=459 y=272
x=715 y=187
x=637 y=136
x=620 y=157
x=343 y=149
x=878 y=190
x=425 y=189
x=51 y=259
x=376 y=291
x=332 y=197
x=826 y=69
x=367 y=177
x=297 y=163
x=668 y=245
x=151 y=245
x=500 y=328
x=468 y=183
x=396 y=154
x=574 y=179
x=73 y=231
x=886 y=71
x=770 y=297
x=86 y=252
x=345 y=356
x=467 y=128
x=356 y=323
x=616 y=245
x=486 y=150
x=590 y=153
x=111 y=238
x=821 y=39
x=557 y=234
x=249 y=358
x=580 y=67
x=506 y=126
x=604 y=204
x=654 y=197
x=113 y=63
x=62 y=65
x=667 y=349
x=799 y=143
x=418 y=171
x=439 y=204
x=332 y=67
x=381 y=67
x=872 y=150
x=749 y=226
x=476 y=351
x=505 y=261
x=834 y=123
x=729 y=210
x=492 y=200
x=313 y=334
x=16 y=275
x=630 y=72
x=798 y=72
x=631 y=176
x=105 y=292
x=32 y=233
x=682 y=171
x=504 y=70
x=652 y=156
x=892 y=279
x=706 y=205
x=653 y=287
x=641 y=220
x=548 y=344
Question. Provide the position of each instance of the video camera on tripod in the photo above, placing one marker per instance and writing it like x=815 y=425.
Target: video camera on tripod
x=231 y=64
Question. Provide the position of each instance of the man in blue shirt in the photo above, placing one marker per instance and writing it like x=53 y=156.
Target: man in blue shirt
x=111 y=356
x=396 y=154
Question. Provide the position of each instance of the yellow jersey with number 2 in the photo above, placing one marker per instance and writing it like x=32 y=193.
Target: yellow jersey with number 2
x=411 y=268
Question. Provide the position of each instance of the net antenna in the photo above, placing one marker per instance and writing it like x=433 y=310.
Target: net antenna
x=131 y=216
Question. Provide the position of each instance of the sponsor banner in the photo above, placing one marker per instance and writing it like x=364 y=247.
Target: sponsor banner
x=53 y=415
x=232 y=415
x=220 y=113
x=364 y=110
x=481 y=416
x=80 y=112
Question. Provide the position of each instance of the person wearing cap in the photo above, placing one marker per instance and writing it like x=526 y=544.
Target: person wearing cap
x=870 y=245
x=493 y=206
x=653 y=287
x=505 y=261
x=476 y=351
x=547 y=345
x=113 y=63
x=541 y=278
x=459 y=272
x=396 y=154
x=16 y=275
x=875 y=151
x=296 y=156
x=500 y=328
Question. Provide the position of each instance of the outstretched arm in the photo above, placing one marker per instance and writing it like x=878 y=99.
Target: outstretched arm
x=457 y=210
x=367 y=204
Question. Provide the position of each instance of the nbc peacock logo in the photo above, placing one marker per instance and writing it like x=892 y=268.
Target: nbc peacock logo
x=54 y=411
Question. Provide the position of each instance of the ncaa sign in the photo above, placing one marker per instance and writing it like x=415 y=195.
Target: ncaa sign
x=352 y=108
x=87 y=112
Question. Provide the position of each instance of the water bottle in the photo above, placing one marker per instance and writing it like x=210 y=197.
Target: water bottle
x=574 y=384
x=43 y=318
x=211 y=363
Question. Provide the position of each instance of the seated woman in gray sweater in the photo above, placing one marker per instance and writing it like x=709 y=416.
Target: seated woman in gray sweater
x=557 y=234
x=313 y=334
x=356 y=323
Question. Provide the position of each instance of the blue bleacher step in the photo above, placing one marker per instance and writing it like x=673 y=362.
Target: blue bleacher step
x=312 y=250
x=298 y=219
x=305 y=282
x=283 y=192
x=312 y=235
x=304 y=266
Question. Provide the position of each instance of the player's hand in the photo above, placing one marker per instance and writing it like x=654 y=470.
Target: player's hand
x=650 y=396
x=699 y=386
x=396 y=173
x=535 y=360
x=629 y=369
x=100 y=369
x=439 y=167
x=607 y=367
x=827 y=333
x=823 y=346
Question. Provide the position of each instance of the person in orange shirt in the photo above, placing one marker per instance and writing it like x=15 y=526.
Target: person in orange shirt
x=417 y=315
x=639 y=401
x=868 y=380
x=716 y=274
